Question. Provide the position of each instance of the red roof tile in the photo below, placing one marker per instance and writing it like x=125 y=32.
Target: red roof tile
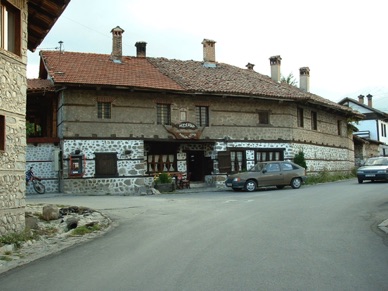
x=99 y=69
x=40 y=85
x=174 y=75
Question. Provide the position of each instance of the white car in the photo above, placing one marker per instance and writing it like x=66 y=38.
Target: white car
x=374 y=169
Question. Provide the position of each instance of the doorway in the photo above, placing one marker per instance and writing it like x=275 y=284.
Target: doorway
x=198 y=165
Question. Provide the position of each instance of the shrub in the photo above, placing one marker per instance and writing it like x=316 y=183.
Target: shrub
x=163 y=178
x=300 y=160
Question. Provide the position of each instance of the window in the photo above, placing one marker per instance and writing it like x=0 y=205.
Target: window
x=202 y=115
x=300 y=117
x=237 y=159
x=339 y=126
x=314 y=121
x=10 y=36
x=104 y=110
x=106 y=165
x=2 y=133
x=268 y=155
x=263 y=117
x=383 y=130
x=163 y=112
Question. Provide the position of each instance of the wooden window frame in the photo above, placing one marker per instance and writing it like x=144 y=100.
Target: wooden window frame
x=263 y=117
x=104 y=110
x=269 y=155
x=10 y=28
x=163 y=114
x=202 y=115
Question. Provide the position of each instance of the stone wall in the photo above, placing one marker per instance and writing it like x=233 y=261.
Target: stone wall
x=131 y=167
x=41 y=158
x=12 y=160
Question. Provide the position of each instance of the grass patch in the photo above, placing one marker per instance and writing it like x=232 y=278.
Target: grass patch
x=17 y=239
x=4 y=258
x=325 y=176
x=82 y=230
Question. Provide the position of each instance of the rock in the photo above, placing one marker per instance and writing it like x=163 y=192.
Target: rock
x=32 y=222
x=50 y=212
x=72 y=222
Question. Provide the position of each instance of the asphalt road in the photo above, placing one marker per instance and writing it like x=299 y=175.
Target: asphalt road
x=322 y=237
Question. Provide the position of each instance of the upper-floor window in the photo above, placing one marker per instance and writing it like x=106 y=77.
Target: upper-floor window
x=104 y=110
x=339 y=126
x=314 y=120
x=2 y=133
x=263 y=117
x=10 y=35
x=300 y=117
x=383 y=130
x=163 y=114
x=202 y=115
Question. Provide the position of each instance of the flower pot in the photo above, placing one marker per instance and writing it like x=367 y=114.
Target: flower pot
x=165 y=187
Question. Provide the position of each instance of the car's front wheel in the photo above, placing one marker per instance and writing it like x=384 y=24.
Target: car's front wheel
x=360 y=180
x=296 y=183
x=250 y=186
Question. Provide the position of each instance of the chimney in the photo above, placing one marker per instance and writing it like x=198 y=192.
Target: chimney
x=141 y=49
x=209 y=51
x=275 y=68
x=304 y=79
x=250 y=66
x=361 y=99
x=117 y=51
x=369 y=96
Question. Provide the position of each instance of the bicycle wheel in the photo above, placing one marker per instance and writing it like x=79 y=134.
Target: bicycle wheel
x=39 y=187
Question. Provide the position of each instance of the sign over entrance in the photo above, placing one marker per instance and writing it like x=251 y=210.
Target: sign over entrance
x=184 y=130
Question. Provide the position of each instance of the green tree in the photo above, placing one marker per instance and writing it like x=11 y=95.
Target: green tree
x=300 y=160
x=290 y=79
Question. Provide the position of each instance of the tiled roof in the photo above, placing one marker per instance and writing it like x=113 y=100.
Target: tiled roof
x=176 y=75
x=40 y=85
x=231 y=80
x=100 y=70
x=42 y=14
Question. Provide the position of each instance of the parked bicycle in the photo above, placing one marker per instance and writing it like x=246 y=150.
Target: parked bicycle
x=36 y=182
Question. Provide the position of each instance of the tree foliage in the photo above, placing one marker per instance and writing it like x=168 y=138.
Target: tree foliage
x=300 y=160
x=290 y=79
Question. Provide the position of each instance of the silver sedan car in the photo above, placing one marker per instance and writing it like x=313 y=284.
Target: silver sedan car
x=374 y=169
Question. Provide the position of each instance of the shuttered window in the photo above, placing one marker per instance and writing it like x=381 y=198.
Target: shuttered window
x=106 y=165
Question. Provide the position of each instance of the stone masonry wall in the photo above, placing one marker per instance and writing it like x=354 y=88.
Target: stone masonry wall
x=13 y=88
x=131 y=167
x=41 y=158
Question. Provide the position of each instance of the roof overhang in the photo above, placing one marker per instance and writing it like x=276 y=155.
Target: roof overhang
x=42 y=15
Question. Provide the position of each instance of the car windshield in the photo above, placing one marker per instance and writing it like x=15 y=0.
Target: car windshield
x=377 y=162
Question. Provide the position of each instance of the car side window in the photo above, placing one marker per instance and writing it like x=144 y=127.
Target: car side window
x=286 y=167
x=273 y=168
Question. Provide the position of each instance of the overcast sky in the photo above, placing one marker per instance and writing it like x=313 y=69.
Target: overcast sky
x=343 y=42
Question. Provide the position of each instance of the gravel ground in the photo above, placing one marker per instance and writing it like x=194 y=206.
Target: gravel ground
x=56 y=238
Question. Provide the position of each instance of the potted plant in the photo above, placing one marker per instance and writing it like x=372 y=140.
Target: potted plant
x=164 y=182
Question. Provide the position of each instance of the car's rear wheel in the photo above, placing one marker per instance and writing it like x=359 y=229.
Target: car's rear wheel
x=280 y=186
x=250 y=186
x=360 y=180
x=296 y=183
